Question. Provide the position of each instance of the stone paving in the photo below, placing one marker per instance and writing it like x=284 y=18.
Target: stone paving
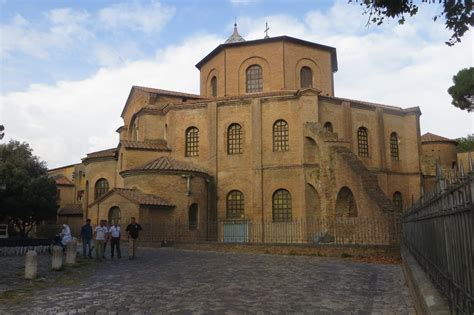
x=181 y=281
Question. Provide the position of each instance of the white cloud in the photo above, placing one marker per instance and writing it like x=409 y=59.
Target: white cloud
x=243 y=2
x=65 y=121
x=148 y=18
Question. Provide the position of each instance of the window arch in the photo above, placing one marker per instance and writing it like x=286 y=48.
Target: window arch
x=192 y=142
x=101 y=187
x=114 y=215
x=234 y=139
x=281 y=206
x=394 y=146
x=345 y=203
x=280 y=136
x=235 y=204
x=398 y=200
x=328 y=126
x=193 y=216
x=254 y=79
x=214 y=86
x=363 y=141
x=306 y=77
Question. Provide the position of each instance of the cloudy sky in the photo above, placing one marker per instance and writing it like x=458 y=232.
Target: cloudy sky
x=67 y=66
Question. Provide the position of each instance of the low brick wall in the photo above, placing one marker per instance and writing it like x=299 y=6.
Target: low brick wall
x=369 y=254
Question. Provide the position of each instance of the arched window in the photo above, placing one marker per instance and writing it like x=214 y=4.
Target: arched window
x=254 y=79
x=193 y=216
x=280 y=136
x=345 y=203
x=214 y=86
x=114 y=215
x=234 y=139
x=394 y=146
x=235 y=205
x=281 y=206
x=135 y=131
x=192 y=141
x=101 y=187
x=398 y=200
x=363 y=141
x=306 y=76
x=328 y=126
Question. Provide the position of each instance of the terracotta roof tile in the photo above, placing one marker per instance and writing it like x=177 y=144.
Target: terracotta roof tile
x=70 y=209
x=430 y=137
x=166 y=92
x=158 y=146
x=136 y=196
x=62 y=180
x=166 y=163
x=103 y=153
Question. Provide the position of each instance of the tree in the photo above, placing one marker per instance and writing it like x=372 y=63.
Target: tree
x=466 y=144
x=27 y=195
x=1 y=132
x=457 y=13
x=462 y=91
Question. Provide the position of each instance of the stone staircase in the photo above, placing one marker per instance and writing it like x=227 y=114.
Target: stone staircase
x=368 y=179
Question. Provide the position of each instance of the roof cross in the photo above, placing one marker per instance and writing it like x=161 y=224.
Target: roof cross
x=266 y=30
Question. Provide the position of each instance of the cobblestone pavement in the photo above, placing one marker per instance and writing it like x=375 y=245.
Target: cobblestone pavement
x=170 y=280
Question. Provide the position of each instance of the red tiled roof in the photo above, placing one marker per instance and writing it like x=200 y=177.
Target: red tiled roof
x=62 y=180
x=70 y=209
x=166 y=163
x=103 y=153
x=138 y=145
x=166 y=92
x=136 y=196
x=430 y=137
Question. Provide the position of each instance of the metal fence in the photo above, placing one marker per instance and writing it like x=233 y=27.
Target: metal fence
x=341 y=230
x=438 y=231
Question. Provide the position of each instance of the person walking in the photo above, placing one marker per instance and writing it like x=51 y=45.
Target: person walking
x=114 y=232
x=100 y=236
x=86 y=236
x=133 y=230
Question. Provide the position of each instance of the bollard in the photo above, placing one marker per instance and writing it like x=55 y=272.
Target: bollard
x=71 y=252
x=31 y=265
x=57 y=258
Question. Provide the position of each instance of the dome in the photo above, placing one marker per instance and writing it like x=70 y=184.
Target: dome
x=235 y=37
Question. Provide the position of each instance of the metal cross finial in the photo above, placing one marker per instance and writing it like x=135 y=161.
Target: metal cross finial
x=266 y=30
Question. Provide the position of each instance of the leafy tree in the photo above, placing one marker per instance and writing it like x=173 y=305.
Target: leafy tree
x=457 y=13
x=2 y=128
x=27 y=195
x=466 y=144
x=462 y=91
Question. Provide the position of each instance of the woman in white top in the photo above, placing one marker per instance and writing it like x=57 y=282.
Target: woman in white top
x=65 y=234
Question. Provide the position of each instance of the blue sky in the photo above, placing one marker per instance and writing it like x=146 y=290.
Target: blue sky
x=67 y=66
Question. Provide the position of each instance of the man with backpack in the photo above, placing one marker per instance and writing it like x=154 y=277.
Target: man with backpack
x=133 y=230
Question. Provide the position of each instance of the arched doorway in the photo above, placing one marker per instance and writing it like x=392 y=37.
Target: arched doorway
x=345 y=203
x=114 y=215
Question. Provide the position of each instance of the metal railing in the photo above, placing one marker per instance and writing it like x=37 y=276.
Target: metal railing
x=341 y=230
x=438 y=231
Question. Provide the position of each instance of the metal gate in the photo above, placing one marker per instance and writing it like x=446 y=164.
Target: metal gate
x=236 y=232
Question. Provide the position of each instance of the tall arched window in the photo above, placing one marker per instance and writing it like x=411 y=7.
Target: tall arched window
x=394 y=146
x=101 y=187
x=235 y=205
x=328 y=126
x=254 y=79
x=193 y=216
x=281 y=206
x=135 y=131
x=114 y=215
x=398 y=200
x=192 y=142
x=234 y=139
x=280 y=136
x=306 y=77
x=214 y=86
x=363 y=141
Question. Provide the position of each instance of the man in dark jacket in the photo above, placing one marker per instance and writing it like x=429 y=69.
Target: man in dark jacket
x=133 y=230
x=86 y=236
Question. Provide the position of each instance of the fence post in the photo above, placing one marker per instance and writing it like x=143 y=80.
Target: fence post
x=31 y=265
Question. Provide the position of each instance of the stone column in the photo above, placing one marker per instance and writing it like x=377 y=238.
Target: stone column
x=31 y=264
x=71 y=252
x=57 y=258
